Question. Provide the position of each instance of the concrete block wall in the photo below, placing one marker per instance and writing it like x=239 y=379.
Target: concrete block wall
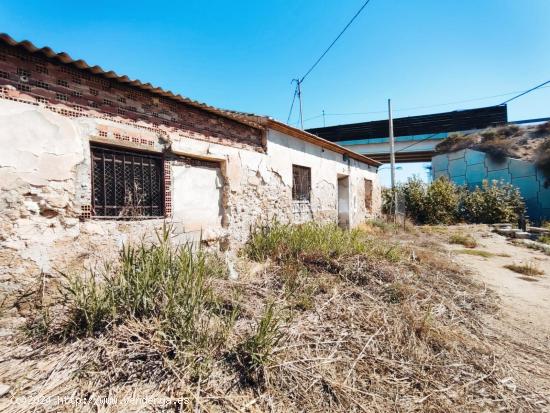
x=469 y=167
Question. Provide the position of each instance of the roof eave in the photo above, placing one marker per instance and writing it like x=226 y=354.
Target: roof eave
x=64 y=58
x=309 y=137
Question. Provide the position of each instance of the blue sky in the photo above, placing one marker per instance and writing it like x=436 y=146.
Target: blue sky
x=242 y=55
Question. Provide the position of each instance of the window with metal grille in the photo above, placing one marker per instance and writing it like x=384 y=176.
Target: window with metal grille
x=126 y=184
x=301 y=183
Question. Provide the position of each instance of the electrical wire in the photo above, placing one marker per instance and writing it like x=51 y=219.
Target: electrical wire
x=417 y=142
x=503 y=103
x=299 y=81
x=527 y=91
x=335 y=40
x=429 y=106
x=292 y=105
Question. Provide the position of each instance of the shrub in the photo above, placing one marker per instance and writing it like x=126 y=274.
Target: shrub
x=455 y=142
x=525 y=269
x=492 y=203
x=169 y=285
x=283 y=242
x=414 y=195
x=387 y=201
x=467 y=240
x=443 y=202
x=257 y=352
x=436 y=203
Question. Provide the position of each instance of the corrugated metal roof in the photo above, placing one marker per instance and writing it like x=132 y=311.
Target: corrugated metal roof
x=257 y=121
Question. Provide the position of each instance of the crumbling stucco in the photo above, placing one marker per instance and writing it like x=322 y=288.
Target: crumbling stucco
x=45 y=182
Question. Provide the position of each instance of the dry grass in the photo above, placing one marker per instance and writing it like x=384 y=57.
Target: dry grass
x=529 y=268
x=463 y=239
x=484 y=254
x=392 y=326
x=530 y=143
x=456 y=142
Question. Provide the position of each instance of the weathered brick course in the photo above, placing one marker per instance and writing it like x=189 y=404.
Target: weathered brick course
x=82 y=91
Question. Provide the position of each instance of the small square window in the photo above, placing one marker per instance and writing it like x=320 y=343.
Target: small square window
x=301 y=183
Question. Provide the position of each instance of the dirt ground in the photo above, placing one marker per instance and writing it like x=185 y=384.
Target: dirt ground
x=525 y=301
x=412 y=333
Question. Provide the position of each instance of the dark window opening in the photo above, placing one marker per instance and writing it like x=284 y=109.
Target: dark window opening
x=368 y=195
x=126 y=184
x=301 y=183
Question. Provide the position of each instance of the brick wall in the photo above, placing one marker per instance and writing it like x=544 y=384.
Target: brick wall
x=84 y=93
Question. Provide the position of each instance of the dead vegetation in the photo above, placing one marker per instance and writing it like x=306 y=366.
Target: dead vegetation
x=484 y=254
x=327 y=320
x=463 y=239
x=529 y=269
x=529 y=143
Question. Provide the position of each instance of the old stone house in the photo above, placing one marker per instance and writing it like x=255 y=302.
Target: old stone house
x=90 y=159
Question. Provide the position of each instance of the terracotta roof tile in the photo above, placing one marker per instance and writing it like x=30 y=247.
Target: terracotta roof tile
x=257 y=121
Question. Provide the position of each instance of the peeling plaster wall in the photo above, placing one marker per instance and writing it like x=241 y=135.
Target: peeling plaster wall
x=45 y=181
x=197 y=197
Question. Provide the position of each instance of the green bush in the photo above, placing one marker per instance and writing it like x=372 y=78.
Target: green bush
x=443 y=202
x=259 y=348
x=283 y=242
x=442 y=199
x=414 y=194
x=492 y=203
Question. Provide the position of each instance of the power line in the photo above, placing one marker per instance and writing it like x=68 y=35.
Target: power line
x=503 y=103
x=423 y=107
x=292 y=105
x=335 y=40
x=300 y=80
x=417 y=142
x=527 y=91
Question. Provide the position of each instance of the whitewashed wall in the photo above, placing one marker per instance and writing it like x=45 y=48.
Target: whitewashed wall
x=45 y=180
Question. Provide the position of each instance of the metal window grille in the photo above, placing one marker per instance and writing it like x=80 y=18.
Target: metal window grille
x=126 y=184
x=301 y=183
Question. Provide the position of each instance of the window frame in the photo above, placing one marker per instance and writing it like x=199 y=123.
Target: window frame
x=154 y=159
x=369 y=191
x=299 y=194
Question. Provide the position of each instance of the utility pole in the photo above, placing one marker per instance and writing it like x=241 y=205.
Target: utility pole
x=324 y=118
x=392 y=160
x=298 y=85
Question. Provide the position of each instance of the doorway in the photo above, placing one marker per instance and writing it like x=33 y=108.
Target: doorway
x=343 y=201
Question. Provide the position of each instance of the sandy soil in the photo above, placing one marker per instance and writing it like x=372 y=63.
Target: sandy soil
x=525 y=301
